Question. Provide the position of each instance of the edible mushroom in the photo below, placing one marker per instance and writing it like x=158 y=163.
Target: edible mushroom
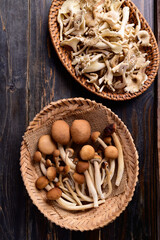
x=87 y=152
x=111 y=152
x=82 y=166
x=51 y=173
x=41 y=182
x=61 y=132
x=95 y=138
x=54 y=193
x=80 y=131
x=46 y=145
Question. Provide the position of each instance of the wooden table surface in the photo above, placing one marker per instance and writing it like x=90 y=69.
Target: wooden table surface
x=31 y=76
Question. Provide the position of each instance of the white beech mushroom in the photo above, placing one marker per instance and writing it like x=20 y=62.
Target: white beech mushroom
x=68 y=161
x=107 y=181
x=91 y=173
x=96 y=160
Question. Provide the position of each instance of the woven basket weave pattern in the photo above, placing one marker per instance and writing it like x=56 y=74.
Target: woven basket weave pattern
x=112 y=207
x=64 y=55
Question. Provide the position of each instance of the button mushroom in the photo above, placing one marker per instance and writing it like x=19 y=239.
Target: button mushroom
x=46 y=144
x=80 y=131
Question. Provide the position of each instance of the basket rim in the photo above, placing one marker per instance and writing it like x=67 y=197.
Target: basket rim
x=23 y=166
x=109 y=95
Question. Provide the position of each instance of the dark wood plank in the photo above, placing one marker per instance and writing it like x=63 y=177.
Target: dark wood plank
x=158 y=120
x=13 y=68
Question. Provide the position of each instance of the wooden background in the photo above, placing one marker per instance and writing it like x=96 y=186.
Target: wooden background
x=31 y=76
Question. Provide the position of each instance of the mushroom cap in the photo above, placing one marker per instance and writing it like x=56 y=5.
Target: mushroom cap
x=80 y=131
x=109 y=129
x=60 y=169
x=87 y=152
x=51 y=173
x=56 y=153
x=37 y=156
x=79 y=178
x=46 y=144
x=111 y=152
x=54 y=193
x=94 y=136
x=49 y=163
x=82 y=166
x=61 y=132
x=70 y=151
x=41 y=182
x=66 y=169
x=107 y=140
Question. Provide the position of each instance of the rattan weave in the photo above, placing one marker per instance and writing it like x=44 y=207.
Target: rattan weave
x=64 y=55
x=107 y=212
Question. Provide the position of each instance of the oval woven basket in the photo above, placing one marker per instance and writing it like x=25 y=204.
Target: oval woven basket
x=113 y=206
x=64 y=55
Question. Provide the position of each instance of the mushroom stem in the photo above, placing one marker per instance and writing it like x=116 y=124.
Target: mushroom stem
x=69 y=162
x=73 y=193
x=43 y=168
x=109 y=184
x=103 y=175
x=98 y=179
x=112 y=168
x=72 y=207
x=83 y=188
x=84 y=197
x=120 y=159
x=91 y=188
x=101 y=142
x=65 y=157
x=91 y=172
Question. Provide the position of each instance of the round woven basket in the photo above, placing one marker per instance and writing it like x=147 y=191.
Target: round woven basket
x=64 y=55
x=113 y=206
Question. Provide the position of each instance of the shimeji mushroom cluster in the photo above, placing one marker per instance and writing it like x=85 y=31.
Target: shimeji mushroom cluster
x=78 y=181
x=105 y=46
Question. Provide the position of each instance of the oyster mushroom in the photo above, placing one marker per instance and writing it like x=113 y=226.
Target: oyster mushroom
x=143 y=37
x=72 y=42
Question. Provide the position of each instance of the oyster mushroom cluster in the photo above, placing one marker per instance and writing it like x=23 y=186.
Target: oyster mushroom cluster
x=105 y=47
x=78 y=179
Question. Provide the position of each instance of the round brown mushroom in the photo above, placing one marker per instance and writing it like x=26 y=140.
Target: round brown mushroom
x=41 y=182
x=80 y=131
x=87 y=152
x=82 y=166
x=46 y=145
x=54 y=193
x=111 y=152
x=51 y=173
x=37 y=156
x=107 y=140
x=56 y=153
x=61 y=132
x=79 y=178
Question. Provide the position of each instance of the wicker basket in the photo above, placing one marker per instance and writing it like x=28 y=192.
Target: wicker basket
x=64 y=55
x=113 y=206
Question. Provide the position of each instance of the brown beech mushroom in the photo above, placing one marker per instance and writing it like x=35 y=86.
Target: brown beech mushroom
x=84 y=197
x=61 y=132
x=91 y=188
x=95 y=138
x=79 y=178
x=96 y=160
x=46 y=145
x=56 y=154
x=82 y=166
x=65 y=180
x=68 y=161
x=111 y=152
x=107 y=180
x=41 y=182
x=49 y=163
x=87 y=152
x=54 y=193
x=51 y=173
x=80 y=131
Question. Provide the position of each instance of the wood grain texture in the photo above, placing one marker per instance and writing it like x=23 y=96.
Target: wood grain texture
x=32 y=76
